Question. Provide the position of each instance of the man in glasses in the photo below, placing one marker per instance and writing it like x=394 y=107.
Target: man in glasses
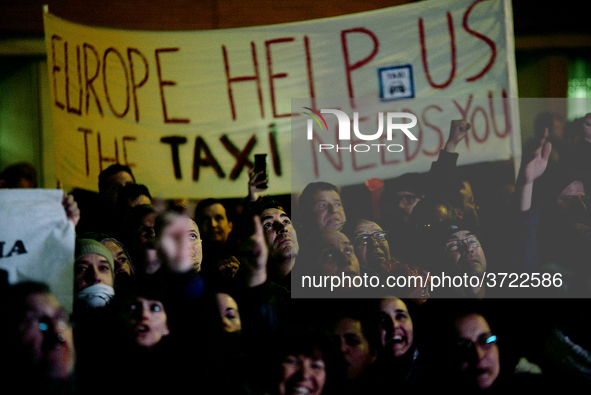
x=461 y=252
x=373 y=251
x=464 y=251
x=371 y=246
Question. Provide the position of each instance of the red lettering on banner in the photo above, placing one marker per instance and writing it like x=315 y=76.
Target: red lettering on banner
x=476 y=137
x=208 y=161
x=107 y=159
x=488 y=41
x=122 y=61
x=102 y=158
x=275 y=76
x=88 y=82
x=71 y=109
x=134 y=85
x=55 y=69
x=351 y=67
x=439 y=132
x=464 y=113
x=452 y=73
x=162 y=83
x=309 y=69
x=430 y=137
x=314 y=143
x=86 y=133
x=354 y=160
x=353 y=152
x=384 y=141
x=127 y=138
x=506 y=112
x=256 y=77
x=274 y=148
x=407 y=155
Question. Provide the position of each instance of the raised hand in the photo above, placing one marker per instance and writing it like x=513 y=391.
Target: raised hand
x=71 y=208
x=457 y=131
x=174 y=243
x=254 y=251
x=255 y=188
x=536 y=166
x=531 y=170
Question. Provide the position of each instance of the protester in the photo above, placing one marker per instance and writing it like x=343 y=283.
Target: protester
x=124 y=268
x=93 y=265
x=320 y=207
x=208 y=305
x=38 y=354
x=281 y=238
x=19 y=175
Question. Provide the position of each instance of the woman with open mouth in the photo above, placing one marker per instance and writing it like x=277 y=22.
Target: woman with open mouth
x=143 y=316
x=399 y=359
x=472 y=362
x=141 y=338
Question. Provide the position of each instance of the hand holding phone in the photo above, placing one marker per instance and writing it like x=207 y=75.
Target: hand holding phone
x=261 y=180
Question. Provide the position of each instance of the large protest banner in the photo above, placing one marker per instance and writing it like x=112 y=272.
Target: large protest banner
x=188 y=110
x=37 y=240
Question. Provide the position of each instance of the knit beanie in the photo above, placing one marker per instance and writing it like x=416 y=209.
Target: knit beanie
x=89 y=246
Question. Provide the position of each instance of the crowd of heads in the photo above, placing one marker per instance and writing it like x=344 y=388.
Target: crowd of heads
x=206 y=294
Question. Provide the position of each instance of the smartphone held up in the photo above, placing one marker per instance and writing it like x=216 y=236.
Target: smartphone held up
x=261 y=166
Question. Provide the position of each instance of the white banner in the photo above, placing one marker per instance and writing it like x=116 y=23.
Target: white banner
x=188 y=110
x=37 y=240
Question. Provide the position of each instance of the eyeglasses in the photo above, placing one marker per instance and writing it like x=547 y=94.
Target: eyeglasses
x=485 y=342
x=365 y=239
x=454 y=245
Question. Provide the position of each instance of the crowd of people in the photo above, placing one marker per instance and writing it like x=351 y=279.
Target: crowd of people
x=213 y=301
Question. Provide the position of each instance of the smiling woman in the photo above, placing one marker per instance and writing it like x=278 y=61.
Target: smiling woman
x=305 y=363
x=401 y=359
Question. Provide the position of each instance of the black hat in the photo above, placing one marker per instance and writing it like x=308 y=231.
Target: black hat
x=439 y=232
